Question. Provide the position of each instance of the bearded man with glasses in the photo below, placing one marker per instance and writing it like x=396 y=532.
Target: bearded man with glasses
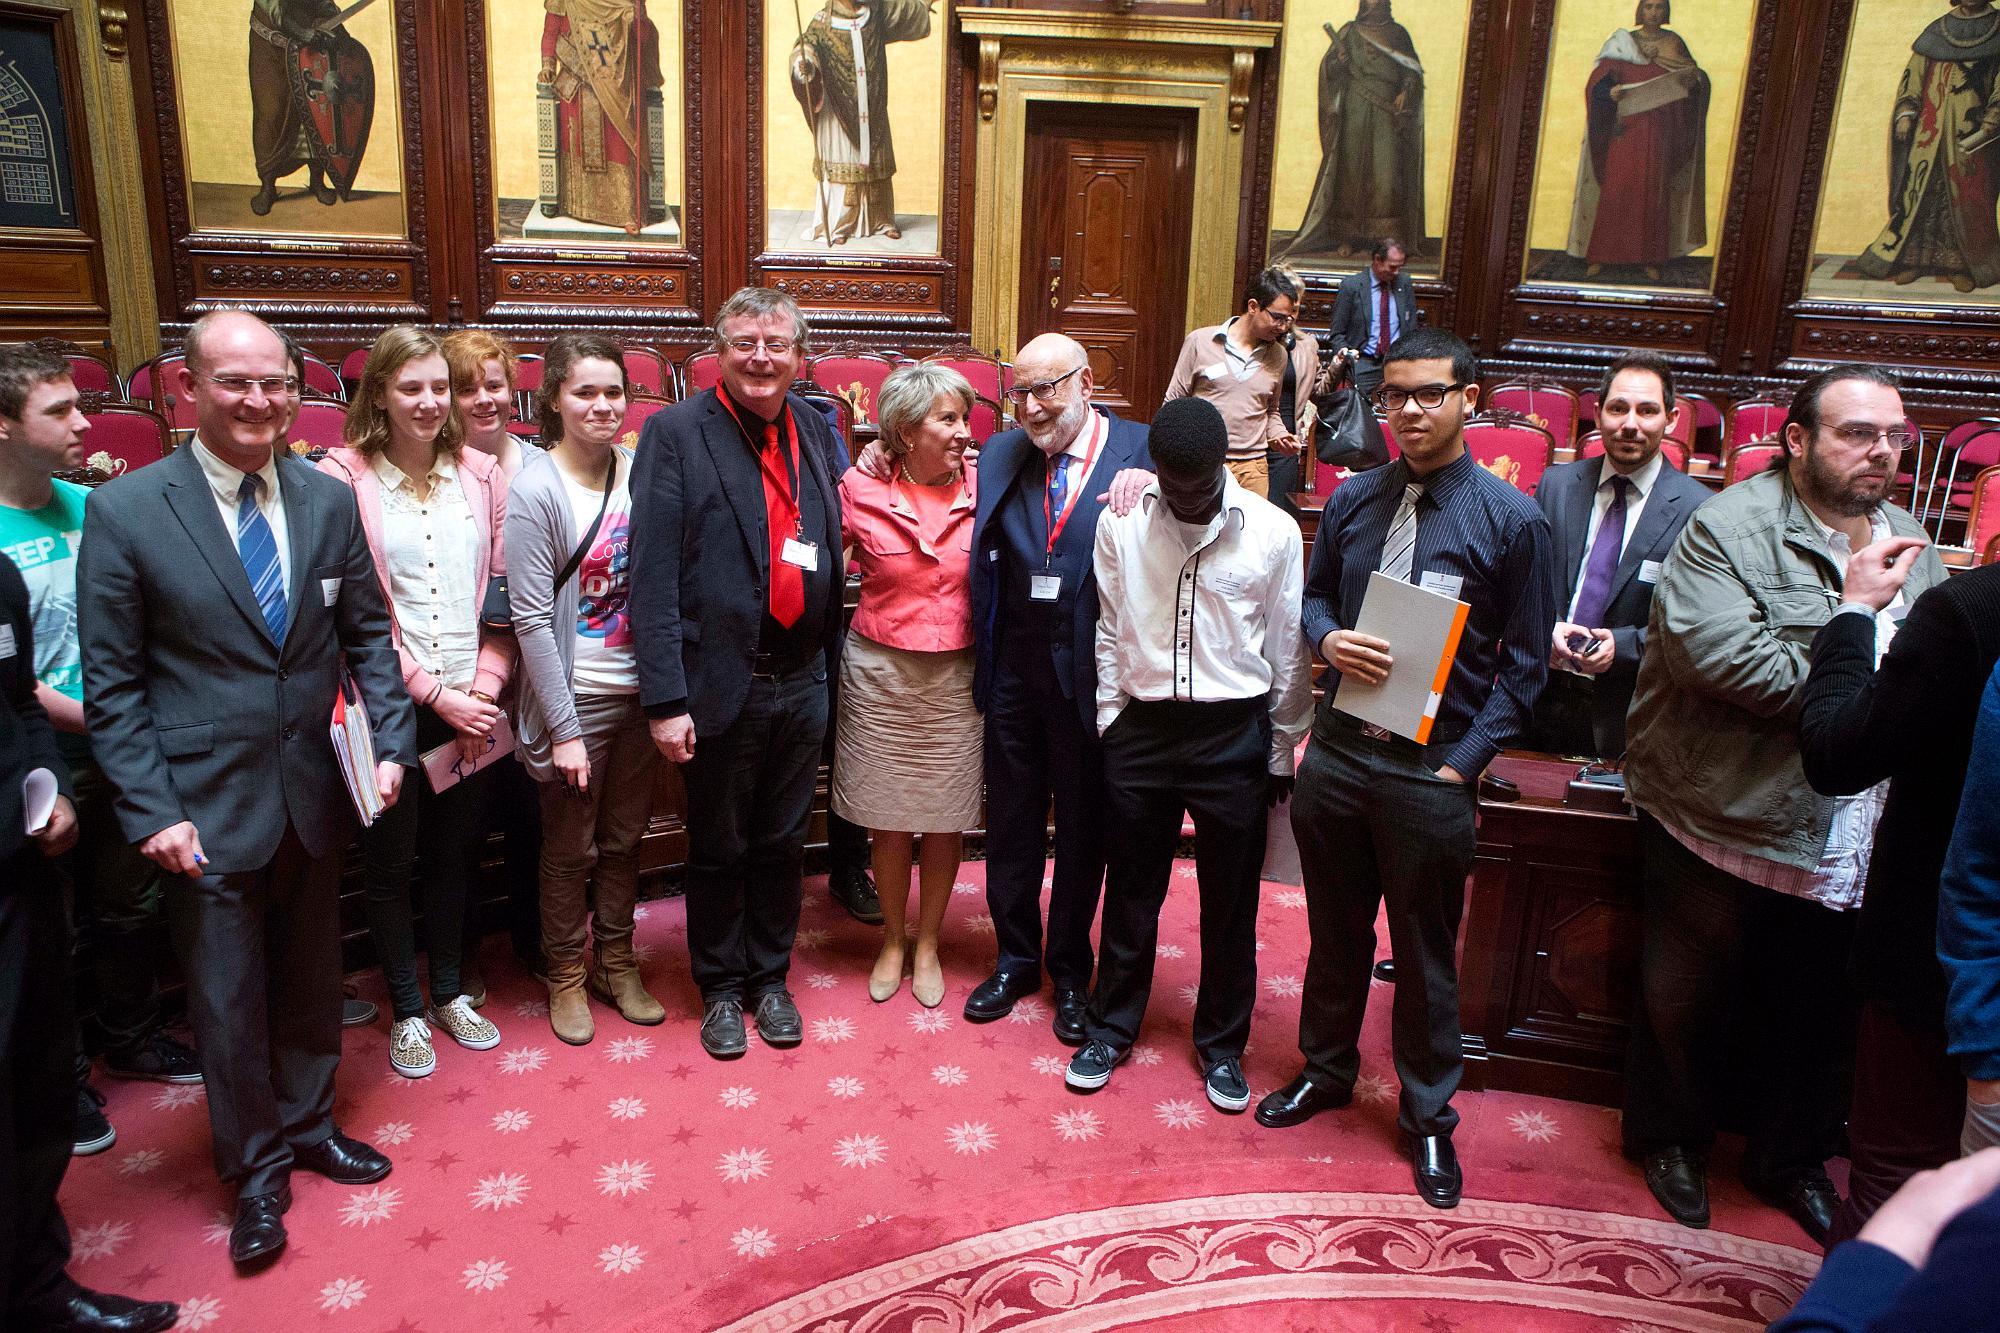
x=1380 y=818
x=1752 y=880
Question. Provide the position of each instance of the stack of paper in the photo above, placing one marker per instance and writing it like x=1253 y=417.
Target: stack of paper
x=354 y=748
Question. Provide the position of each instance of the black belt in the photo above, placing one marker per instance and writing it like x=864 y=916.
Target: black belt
x=1369 y=730
x=774 y=666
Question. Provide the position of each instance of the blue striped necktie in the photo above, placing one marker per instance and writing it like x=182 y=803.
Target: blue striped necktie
x=259 y=549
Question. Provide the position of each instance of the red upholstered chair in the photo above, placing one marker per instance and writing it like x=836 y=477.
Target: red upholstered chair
x=156 y=382
x=1590 y=446
x=1389 y=437
x=989 y=376
x=1549 y=405
x=527 y=379
x=638 y=407
x=324 y=380
x=1703 y=426
x=984 y=419
x=1962 y=454
x=90 y=372
x=1747 y=460
x=701 y=372
x=321 y=423
x=352 y=365
x=1511 y=447
x=1675 y=453
x=122 y=436
x=839 y=412
x=1586 y=409
x=525 y=430
x=649 y=371
x=855 y=373
x=1982 y=524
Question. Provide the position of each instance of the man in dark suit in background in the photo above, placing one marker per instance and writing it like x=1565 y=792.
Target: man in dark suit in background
x=1034 y=620
x=218 y=592
x=736 y=601
x=1615 y=518
x=1374 y=308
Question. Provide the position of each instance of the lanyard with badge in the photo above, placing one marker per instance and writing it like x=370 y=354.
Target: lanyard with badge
x=796 y=551
x=1047 y=585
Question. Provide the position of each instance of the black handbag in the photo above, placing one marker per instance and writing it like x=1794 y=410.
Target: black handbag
x=496 y=613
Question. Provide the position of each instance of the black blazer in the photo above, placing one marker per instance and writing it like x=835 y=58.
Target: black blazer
x=1566 y=494
x=194 y=712
x=700 y=556
x=1349 y=327
x=1001 y=463
x=27 y=741
x=1909 y=721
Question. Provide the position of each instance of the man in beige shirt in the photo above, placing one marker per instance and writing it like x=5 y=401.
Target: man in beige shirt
x=1240 y=368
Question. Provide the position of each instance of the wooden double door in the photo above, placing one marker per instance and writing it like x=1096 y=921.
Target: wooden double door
x=1106 y=214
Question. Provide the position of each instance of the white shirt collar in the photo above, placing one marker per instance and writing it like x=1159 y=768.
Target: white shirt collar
x=393 y=477
x=1232 y=504
x=226 y=479
x=1642 y=480
x=1836 y=540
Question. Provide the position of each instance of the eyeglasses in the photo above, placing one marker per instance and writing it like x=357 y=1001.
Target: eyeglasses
x=1430 y=398
x=1043 y=391
x=241 y=385
x=1282 y=319
x=1860 y=436
x=773 y=346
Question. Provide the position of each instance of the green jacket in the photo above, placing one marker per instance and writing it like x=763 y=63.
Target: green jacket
x=1712 y=744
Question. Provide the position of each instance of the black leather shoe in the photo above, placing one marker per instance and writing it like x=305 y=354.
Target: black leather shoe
x=1810 y=1199
x=778 y=1021
x=855 y=891
x=84 y=1310
x=1299 y=1101
x=342 y=1160
x=1434 y=1166
x=1679 y=1180
x=259 y=1232
x=722 y=1034
x=1069 y=1017
x=994 y=997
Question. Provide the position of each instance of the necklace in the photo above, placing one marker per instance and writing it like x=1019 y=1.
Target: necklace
x=949 y=478
x=1967 y=43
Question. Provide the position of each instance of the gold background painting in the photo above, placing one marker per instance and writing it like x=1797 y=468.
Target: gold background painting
x=916 y=125
x=1854 y=196
x=1437 y=29
x=1717 y=34
x=212 y=81
x=513 y=57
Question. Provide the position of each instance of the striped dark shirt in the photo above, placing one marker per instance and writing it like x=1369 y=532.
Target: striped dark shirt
x=1472 y=525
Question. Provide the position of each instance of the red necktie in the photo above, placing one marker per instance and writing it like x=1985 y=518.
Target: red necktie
x=1382 y=338
x=781 y=513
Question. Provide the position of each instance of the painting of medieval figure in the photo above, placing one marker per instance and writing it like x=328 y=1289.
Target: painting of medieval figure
x=283 y=126
x=1637 y=141
x=1913 y=211
x=854 y=126
x=586 y=148
x=1368 y=114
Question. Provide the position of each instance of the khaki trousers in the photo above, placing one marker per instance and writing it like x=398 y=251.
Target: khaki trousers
x=1252 y=474
x=598 y=829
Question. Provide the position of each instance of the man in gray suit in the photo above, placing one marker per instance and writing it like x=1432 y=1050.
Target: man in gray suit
x=1374 y=308
x=1615 y=519
x=218 y=591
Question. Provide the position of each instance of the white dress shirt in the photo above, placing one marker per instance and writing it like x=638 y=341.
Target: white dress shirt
x=1640 y=487
x=1204 y=613
x=225 y=480
x=431 y=550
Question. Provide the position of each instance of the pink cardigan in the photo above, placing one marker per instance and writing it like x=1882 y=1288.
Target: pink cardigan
x=485 y=487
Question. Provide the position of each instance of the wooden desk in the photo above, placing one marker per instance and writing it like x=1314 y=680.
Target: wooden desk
x=1549 y=952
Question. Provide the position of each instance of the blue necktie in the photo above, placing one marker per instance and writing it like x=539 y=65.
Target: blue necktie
x=1058 y=487
x=259 y=550
x=1595 y=599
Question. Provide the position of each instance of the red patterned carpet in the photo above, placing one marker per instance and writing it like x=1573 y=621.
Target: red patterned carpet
x=905 y=1170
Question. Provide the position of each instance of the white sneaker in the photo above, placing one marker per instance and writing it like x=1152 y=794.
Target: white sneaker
x=410 y=1051
x=465 y=1027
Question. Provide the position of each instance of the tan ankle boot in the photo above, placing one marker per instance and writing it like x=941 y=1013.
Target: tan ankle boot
x=614 y=979
x=569 y=1008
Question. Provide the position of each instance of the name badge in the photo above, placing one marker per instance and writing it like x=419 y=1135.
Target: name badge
x=1044 y=587
x=1446 y=584
x=1218 y=371
x=329 y=590
x=7 y=648
x=1649 y=571
x=803 y=554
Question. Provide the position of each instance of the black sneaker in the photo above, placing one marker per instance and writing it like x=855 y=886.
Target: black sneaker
x=722 y=1034
x=93 y=1128
x=855 y=890
x=778 y=1021
x=1226 y=1089
x=1090 y=1069
x=358 y=1013
x=160 y=1059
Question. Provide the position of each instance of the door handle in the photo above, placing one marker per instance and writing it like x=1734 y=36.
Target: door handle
x=1054 y=282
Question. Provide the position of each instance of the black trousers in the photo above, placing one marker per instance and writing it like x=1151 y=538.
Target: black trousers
x=1909 y=1108
x=1375 y=824
x=1565 y=718
x=1702 y=929
x=1038 y=747
x=749 y=796
x=445 y=828
x=115 y=898
x=261 y=952
x=37 y=1087
x=1287 y=473
x=1160 y=760
x=846 y=844
x=513 y=809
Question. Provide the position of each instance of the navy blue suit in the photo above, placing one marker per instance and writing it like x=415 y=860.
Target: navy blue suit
x=1036 y=681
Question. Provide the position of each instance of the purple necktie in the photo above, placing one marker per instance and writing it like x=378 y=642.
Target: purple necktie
x=1602 y=562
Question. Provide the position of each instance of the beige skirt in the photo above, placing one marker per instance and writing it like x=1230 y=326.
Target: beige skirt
x=908 y=746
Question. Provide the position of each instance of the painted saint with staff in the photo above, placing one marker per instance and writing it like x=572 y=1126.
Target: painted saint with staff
x=839 y=73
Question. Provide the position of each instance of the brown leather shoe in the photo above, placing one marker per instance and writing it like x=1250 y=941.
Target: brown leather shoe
x=569 y=1007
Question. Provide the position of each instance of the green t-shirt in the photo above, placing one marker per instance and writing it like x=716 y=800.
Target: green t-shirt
x=43 y=543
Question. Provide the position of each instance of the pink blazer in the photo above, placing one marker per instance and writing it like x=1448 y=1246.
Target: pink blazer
x=486 y=491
